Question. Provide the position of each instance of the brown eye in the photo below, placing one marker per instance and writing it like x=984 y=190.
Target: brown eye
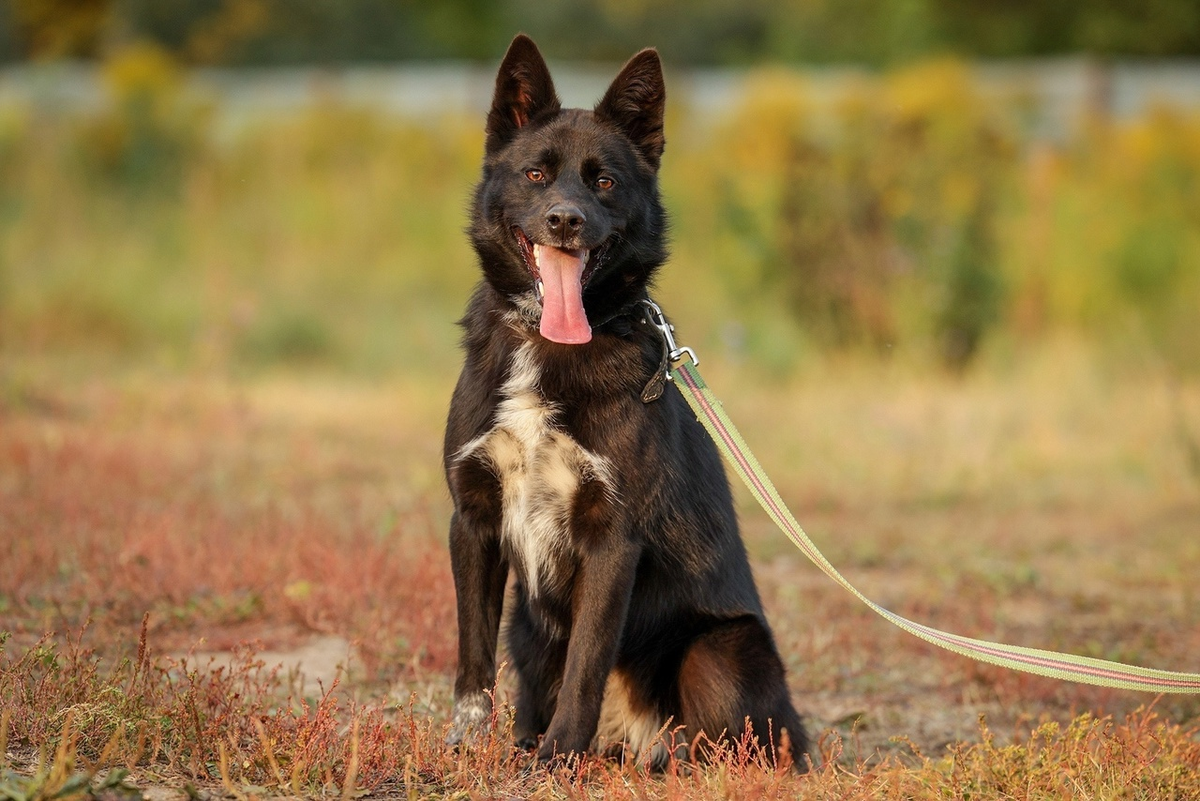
x=604 y=182
x=537 y=176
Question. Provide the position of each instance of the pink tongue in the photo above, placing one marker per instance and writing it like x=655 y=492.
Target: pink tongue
x=563 y=317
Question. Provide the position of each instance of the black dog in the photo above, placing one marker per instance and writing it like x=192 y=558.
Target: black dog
x=633 y=608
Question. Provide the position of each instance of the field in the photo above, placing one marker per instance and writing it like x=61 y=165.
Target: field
x=224 y=369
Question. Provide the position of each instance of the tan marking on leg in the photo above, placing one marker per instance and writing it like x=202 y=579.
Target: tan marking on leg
x=626 y=722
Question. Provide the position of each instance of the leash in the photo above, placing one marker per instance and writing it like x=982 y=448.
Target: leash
x=1068 y=667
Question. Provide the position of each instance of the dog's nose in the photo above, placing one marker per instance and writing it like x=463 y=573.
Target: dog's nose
x=563 y=218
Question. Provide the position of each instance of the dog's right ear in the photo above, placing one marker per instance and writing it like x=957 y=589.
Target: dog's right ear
x=524 y=92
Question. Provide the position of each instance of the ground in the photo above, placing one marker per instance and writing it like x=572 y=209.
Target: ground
x=173 y=528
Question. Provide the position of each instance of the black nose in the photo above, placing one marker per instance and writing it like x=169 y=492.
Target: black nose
x=564 y=218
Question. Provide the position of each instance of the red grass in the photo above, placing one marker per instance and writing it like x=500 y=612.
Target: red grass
x=162 y=534
x=112 y=530
x=168 y=719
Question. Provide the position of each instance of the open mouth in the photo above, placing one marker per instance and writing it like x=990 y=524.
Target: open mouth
x=559 y=276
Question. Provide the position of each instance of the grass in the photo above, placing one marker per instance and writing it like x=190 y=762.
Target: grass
x=163 y=518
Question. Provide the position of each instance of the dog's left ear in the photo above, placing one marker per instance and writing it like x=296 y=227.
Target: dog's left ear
x=635 y=102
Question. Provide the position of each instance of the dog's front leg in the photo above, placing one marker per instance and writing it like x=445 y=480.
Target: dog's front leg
x=480 y=571
x=600 y=603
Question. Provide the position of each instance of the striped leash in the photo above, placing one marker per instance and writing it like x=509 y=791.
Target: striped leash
x=1069 y=667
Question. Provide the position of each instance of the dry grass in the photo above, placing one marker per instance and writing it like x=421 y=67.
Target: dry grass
x=150 y=520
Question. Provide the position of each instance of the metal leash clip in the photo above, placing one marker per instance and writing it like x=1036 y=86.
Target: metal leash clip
x=654 y=314
x=671 y=352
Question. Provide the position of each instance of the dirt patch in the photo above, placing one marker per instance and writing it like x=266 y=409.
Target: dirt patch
x=309 y=667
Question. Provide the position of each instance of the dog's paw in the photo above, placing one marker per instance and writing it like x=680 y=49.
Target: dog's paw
x=533 y=763
x=554 y=760
x=472 y=718
x=571 y=764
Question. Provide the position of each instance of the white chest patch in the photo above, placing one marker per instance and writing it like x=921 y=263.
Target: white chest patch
x=539 y=467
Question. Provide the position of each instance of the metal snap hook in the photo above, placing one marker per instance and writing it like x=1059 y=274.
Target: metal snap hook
x=655 y=316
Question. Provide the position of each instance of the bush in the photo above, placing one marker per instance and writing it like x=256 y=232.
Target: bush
x=912 y=210
x=907 y=210
x=149 y=129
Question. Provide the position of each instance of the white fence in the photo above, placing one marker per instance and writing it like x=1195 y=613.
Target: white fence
x=1058 y=92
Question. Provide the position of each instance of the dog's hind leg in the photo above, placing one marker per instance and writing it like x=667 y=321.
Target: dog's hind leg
x=732 y=675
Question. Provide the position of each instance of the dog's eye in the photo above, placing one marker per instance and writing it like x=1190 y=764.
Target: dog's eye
x=604 y=182
x=537 y=176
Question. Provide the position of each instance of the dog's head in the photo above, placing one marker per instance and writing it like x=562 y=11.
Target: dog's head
x=567 y=219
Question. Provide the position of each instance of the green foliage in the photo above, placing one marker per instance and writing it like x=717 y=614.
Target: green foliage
x=907 y=212
x=893 y=190
x=333 y=236
x=971 y=295
x=55 y=783
x=912 y=211
x=1124 y=249
x=147 y=133
x=255 y=32
x=52 y=28
x=289 y=337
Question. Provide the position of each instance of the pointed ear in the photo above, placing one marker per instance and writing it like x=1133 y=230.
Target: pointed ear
x=635 y=102
x=524 y=91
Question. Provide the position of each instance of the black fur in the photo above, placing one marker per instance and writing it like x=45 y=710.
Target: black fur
x=646 y=577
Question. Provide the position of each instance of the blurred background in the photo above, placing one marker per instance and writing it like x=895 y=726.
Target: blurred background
x=940 y=259
x=247 y=185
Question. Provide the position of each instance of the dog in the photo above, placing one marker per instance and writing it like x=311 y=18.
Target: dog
x=634 y=626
